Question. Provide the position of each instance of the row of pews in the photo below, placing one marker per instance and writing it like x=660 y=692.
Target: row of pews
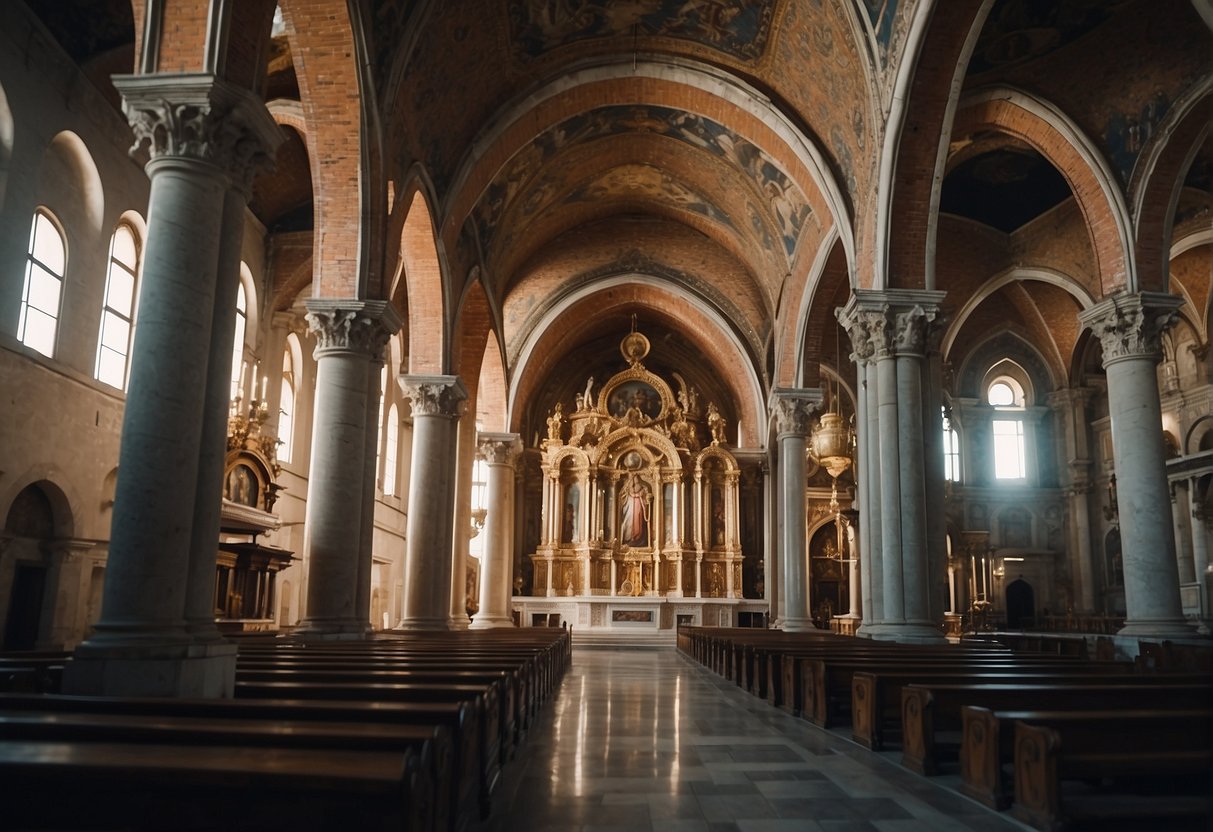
x=1060 y=739
x=403 y=732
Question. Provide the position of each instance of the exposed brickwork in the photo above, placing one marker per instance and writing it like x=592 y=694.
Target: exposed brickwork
x=423 y=278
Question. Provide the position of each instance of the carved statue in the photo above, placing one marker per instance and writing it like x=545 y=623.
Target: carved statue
x=554 y=423
x=715 y=424
x=587 y=398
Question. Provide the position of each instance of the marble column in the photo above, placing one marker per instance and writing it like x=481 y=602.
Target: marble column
x=894 y=328
x=1129 y=327
x=370 y=471
x=212 y=452
x=1070 y=406
x=437 y=403
x=350 y=337
x=1180 y=512
x=499 y=451
x=867 y=465
x=793 y=411
x=463 y=530
x=201 y=132
x=1200 y=538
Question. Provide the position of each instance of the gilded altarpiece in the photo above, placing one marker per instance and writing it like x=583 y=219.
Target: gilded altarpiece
x=640 y=496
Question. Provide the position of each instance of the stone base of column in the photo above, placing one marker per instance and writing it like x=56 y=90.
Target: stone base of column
x=489 y=622
x=907 y=633
x=332 y=629
x=417 y=623
x=800 y=625
x=461 y=622
x=1158 y=628
x=177 y=670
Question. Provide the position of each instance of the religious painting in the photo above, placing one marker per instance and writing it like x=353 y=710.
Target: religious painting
x=632 y=616
x=739 y=28
x=570 y=516
x=241 y=486
x=634 y=395
x=634 y=512
x=717 y=501
x=667 y=510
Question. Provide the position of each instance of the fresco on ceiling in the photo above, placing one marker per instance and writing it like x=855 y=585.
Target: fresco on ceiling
x=1126 y=134
x=786 y=203
x=882 y=13
x=644 y=182
x=1021 y=30
x=736 y=27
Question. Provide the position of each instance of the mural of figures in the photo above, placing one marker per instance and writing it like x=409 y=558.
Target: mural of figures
x=634 y=395
x=634 y=513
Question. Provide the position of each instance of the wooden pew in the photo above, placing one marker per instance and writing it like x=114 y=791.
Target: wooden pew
x=930 y=712
x=461 y=720
x=876 y=701
x=988 y=736
x=1158 y=762
x=142 y=786
x=491 y=728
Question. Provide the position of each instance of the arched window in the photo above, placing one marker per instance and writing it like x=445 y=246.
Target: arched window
x=286 y=405
x=117 y=317
x=390 y=451
x=951 y=449
x=238 y=343
x=40 y=298
x=379 y=437
x=1005 y=395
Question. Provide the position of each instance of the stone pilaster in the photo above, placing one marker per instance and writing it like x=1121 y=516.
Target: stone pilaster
x=205 y=137
x=499 y=450
x=793 y=411
x=437 y=403
x=1070 y=407
x=350 y=337
x=1129 y=327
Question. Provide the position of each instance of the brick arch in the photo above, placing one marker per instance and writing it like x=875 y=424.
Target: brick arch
x=942 y=36
x=1158 y=178
x=323 y=47
x=423 y=281
x=1076 y=158
x=720 y=347
x=807 y=316
x=491 y=391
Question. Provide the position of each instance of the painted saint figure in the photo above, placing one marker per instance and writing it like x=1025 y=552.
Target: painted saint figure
x=634 y=515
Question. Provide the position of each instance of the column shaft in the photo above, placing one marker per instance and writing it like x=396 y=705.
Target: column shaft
x=499 y=451
x=437 y=405
x=793 y=409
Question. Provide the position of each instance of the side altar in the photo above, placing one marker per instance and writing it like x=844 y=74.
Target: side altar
x=640 y=520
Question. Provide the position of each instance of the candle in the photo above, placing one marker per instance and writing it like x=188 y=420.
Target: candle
x=265 y=380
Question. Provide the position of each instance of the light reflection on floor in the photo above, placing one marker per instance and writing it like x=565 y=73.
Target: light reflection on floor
x=647 y=740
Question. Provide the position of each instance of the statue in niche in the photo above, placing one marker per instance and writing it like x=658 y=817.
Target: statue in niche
x=715 y=424
x=554 y=423
x=634 y=514
x=587 y=398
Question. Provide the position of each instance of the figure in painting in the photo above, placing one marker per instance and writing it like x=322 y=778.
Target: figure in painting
x=717 y=518
x=634 y=515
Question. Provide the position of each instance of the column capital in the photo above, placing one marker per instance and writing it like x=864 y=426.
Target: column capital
x=435 y=395
x=794 y=409
x=201 y=117
x=351 y=325
x=884 y=323
x=498 y=448
x=1130 y=326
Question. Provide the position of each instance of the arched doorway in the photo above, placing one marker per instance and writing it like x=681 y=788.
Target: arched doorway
x=1021 y=605
x=31 y=523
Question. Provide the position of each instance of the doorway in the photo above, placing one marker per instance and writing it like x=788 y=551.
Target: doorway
x=1021 y=605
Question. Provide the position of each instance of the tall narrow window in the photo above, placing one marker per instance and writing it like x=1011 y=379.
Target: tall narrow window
x=390 y=451
x=1010 y=457
x=951 y=450
x=379 y=437
x=238 y=343
x=286 y=407
x=39 y=320
x=114 y=344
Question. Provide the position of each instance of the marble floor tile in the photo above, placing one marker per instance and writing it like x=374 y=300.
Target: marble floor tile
x=648 y=740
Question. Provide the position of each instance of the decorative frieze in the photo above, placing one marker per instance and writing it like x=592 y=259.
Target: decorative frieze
x=359 y=326
x=1131 y=326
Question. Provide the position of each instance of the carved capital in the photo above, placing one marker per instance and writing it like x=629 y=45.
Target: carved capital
x=498 y=448
x=1130 y=326
x=889 y=322
x=911 y=329
x=794 y=409
x=200 y=117
x=435 y=395
x=358 y=326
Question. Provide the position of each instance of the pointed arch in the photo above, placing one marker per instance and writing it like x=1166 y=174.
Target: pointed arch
x=70 y=184
x=428 y=337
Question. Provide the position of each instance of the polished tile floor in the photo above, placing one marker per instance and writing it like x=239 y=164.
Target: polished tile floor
x=649 y=740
